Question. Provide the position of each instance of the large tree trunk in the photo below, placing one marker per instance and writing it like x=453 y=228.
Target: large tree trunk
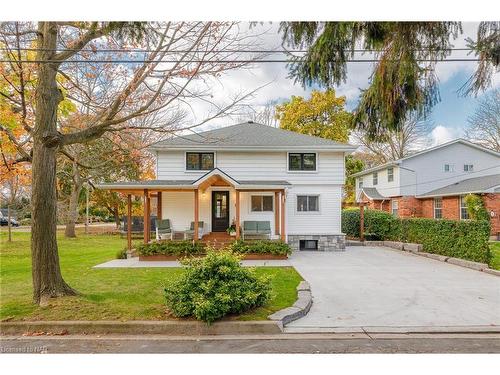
x=117 y=216
x=72 y=215
x=46 y=272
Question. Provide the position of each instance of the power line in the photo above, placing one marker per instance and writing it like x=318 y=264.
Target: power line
x=208 y=61
x=138 y=50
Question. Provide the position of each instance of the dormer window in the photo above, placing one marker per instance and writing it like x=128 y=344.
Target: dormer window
x=199 y=161
x=390 y=174
x=301 y=161
x=449 y=168
x=468 y=168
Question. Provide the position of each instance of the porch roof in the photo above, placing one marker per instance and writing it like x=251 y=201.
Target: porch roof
x=214 y=177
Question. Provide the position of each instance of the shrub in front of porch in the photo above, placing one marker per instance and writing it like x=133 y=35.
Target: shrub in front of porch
x=261 y=247
x=179 y=248
x=215 y=286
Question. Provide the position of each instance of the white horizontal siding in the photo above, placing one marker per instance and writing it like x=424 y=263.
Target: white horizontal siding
x=326 y=221
x=179 y=208
x=256 y=166
x=384 y=187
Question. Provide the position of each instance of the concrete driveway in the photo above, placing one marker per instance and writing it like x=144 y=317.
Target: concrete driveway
x=378 y=287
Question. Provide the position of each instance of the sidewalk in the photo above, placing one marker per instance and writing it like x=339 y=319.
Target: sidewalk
x=136 y=263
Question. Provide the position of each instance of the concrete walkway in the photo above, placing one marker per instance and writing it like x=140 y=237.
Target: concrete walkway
x=377 y=287
x=135 y=263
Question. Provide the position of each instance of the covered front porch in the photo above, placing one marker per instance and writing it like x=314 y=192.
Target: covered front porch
x=204 y=209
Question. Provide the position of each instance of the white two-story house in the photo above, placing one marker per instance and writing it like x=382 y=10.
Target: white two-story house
x=249 y=172
x=433 y=183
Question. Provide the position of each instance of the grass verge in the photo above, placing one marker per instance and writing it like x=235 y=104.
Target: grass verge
x=106 y=294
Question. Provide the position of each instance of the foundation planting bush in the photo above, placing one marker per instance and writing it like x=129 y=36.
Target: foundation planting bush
x=187 y=247
x=261 y=247
x=214 y=286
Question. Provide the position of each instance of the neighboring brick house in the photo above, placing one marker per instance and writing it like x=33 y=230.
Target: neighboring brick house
x=434 y=182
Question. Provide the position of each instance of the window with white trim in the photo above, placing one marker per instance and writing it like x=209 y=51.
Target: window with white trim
x=390 y=174
x=449 y=168
x=199 y=161
x=438 y=208
x=375 y=178
x=301 y=161
x=395 y=207
x=464 y=214
x=261 y=203
x=468 y=167
x=307 y=203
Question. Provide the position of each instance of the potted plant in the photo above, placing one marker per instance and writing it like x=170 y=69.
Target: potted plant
x=232 y=229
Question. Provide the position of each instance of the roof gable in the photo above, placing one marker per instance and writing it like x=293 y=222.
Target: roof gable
x=426 y=151
x=250 y=135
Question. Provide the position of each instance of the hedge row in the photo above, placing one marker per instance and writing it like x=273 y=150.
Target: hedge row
x=183 y=248
x=261 y=247
x=453 y=238
x=171 y=248
x=379 y=225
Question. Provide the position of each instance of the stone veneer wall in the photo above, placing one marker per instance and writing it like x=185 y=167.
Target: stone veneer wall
x=326 y=242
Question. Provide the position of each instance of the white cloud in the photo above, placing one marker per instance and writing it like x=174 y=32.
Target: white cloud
x=442 y=134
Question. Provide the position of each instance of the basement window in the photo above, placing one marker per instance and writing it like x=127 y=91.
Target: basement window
x=308 y=245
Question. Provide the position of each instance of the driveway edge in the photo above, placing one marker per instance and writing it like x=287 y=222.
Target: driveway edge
x=417 y=250
x=171 y=327
x=299 y=309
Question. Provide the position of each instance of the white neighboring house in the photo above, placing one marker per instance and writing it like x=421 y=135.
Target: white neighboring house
x=428 y=170
x=251 y=172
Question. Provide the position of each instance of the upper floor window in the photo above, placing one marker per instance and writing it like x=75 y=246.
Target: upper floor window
x=199 y=161
x=360 y=183
x=468 y=167
x=307 y=203
x=395 y=207
x=449 y=168
x=464 y=214
x=438 y=208
x=301 y=161
x=390 y=174
x=262 y=203
x=375 y=178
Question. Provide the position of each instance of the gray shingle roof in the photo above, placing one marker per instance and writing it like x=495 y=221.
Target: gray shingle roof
x=481 y=184
x=373 y=193
x=250 y=135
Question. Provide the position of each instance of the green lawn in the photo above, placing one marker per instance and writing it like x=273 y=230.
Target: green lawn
x=495 y=255
x=106 y=294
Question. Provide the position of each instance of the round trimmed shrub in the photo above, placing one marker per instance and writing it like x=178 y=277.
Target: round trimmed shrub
x=214 y=286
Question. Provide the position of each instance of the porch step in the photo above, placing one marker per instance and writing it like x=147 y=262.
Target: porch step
x=217 y=240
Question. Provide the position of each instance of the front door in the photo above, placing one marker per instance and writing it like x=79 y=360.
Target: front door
x=220 y=211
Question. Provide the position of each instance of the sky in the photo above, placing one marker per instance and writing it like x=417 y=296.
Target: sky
x=449 y=117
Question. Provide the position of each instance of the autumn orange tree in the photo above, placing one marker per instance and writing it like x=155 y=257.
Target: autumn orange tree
x=161 y=77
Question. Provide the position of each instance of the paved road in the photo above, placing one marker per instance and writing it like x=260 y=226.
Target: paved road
x=264 y=344
x=379 y=287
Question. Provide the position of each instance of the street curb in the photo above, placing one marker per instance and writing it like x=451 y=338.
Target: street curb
x=299 y=309
x=396 y=330
x=171 y=327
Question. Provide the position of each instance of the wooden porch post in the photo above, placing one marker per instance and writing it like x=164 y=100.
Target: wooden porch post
x=158 y=206
x=129 y=222
x=276 y=212
x=282 y=231
x=237 y=221
x=147 y=216
x=196 y=214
